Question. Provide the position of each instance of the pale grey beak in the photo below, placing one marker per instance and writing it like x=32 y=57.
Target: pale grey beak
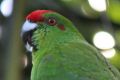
x=26 y=28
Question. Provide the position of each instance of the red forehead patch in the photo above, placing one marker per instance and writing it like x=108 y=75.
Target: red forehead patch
x=37 y=15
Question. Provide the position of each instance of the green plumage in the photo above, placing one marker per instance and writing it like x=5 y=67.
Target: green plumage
x=65 y=54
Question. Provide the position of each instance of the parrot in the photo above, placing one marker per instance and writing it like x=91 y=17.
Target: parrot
x=60 y=52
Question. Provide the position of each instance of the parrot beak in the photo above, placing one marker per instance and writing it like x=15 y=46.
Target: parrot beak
x=28 y=26
x=26 y=34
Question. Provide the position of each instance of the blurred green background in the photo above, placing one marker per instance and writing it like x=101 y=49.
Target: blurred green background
x=97 y=20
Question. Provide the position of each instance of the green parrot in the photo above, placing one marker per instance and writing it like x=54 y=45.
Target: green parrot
x=59 y=51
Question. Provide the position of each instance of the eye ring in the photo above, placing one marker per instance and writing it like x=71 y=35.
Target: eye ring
x=52 y=21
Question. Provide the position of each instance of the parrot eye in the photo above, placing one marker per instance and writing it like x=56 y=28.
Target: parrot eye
x=52 y=21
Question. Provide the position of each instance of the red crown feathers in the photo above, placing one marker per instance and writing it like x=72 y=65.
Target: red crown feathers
x=37 y=15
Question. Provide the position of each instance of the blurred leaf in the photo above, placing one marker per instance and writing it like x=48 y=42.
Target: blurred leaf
x=117 y=37
x=116 y=60
x=113 y=11
x=81 y=7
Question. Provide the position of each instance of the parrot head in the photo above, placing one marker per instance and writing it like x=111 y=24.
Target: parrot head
x=44 y=27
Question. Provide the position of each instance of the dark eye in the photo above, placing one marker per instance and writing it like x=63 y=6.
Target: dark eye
x=52 y=22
